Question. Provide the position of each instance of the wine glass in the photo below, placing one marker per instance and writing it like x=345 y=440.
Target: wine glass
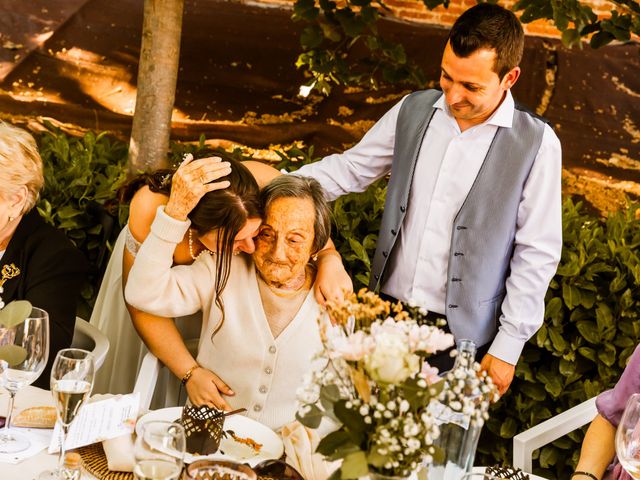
x=159 y=451
x=24 y=351
x=71 y=382
x=628 y=437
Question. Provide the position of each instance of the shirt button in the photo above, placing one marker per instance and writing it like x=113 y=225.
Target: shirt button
x=268 y=370
x=257 y=408
x=263 y=389
x=272 y=349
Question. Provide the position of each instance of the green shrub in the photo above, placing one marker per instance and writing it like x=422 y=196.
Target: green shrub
x=590 y=331
x=82 y=175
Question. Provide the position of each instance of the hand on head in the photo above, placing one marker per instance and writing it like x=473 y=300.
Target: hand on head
x=192 y=180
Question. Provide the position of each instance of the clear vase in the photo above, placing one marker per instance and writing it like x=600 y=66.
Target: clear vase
x=459 y=432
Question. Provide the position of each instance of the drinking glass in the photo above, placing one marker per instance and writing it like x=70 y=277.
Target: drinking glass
x=71 y=382
x=24 y=351
x=159 y=451
x=628 y=437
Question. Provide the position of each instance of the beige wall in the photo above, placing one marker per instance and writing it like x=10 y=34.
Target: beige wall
x=415 y=10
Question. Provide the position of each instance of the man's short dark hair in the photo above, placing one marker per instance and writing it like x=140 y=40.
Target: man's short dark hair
x=492 y=27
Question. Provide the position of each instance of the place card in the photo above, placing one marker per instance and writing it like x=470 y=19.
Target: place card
x=98 y=421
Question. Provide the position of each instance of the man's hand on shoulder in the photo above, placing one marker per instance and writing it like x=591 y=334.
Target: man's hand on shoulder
x=500 y=372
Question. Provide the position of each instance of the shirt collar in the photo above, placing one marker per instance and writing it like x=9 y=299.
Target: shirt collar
x=502 y=117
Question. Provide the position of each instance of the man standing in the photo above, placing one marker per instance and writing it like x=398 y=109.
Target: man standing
x=472 y=222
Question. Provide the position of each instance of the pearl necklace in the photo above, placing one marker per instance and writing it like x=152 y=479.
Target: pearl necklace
x=195 y=257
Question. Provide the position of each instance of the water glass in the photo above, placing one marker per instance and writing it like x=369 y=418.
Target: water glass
x=159 y=451
x=24 y=351
x=628 y=437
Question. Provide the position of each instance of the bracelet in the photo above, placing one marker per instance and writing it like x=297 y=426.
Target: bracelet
x=187 y=375
x=586 y=474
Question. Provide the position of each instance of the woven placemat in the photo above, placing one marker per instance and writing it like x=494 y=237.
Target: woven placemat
x=94 y=461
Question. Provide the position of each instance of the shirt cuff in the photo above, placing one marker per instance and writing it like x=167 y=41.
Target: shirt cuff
x=506 y=348
x=168 y=228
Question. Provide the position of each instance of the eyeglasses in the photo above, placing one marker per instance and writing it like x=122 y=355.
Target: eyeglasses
x=276 y=470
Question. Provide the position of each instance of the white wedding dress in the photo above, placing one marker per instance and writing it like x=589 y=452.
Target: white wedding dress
x=126 y=350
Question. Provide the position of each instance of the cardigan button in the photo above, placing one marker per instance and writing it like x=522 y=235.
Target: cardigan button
x=268 y=371
x=394 y=232
x=272 y=349
x=257 y=408
x=377 y=277
x=385 y=254
x=403 y=208
x=263 y=389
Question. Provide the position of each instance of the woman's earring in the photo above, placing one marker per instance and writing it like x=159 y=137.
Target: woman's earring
x=11 y=219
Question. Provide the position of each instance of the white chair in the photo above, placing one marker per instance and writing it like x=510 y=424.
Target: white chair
x=148 y=378
x=88 y=337
x=546 y=432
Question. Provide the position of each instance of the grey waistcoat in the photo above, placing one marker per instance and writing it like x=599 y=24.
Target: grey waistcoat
x=484 y=228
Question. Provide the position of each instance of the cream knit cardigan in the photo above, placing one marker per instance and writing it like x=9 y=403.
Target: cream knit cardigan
x=263 y=372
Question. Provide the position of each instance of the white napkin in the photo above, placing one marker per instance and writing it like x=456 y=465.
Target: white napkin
x=119 y=450
x=299 y=445
x=119 y=453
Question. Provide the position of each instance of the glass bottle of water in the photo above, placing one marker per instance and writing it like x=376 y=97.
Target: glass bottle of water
x=460 y=414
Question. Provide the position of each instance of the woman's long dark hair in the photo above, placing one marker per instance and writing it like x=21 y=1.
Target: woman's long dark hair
x=225 y=210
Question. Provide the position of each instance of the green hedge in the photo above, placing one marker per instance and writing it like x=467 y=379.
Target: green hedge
x=592 y=304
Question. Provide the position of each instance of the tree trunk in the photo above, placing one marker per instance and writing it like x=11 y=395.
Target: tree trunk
x=157 y=76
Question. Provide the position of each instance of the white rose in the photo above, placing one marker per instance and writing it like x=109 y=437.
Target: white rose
x=391 y=361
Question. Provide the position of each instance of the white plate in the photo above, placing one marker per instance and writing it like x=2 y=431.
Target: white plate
x=242 y=426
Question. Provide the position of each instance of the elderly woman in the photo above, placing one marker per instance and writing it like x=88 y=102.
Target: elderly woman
x=269 y=334
x=37 y=262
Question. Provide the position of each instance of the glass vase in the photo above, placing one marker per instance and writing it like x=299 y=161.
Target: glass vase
x=459 y=432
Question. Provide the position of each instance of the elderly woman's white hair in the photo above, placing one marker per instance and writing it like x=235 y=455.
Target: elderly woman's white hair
x=20 y=164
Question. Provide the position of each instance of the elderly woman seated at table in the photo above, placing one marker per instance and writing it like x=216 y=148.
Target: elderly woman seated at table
x=264 y=339
x=597 y=456
x=37 y=262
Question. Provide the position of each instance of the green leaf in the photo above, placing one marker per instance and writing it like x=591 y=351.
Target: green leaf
x=352 y=421
x=333 y=442
x=14 y=313
x=311 y=37
x=509 y=428
x=589 y=331
x=14 y=355
x=329 y=394
x=312 y=419
x=354 y=466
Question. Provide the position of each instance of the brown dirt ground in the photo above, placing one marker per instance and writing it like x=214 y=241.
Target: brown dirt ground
x=74 y=62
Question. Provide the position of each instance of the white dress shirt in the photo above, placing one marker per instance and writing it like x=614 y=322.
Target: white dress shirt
x=447 y=166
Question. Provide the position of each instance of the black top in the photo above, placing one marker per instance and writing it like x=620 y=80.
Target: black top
x=52 y=272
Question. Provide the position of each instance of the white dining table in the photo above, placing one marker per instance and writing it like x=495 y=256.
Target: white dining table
x=30 y=468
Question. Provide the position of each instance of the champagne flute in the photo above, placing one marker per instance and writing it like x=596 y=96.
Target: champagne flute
x=71 y=382
x=24 y=351
x=159 y=451
x=628 y=437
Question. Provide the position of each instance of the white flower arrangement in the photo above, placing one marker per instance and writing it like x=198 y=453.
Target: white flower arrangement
x=373 y=380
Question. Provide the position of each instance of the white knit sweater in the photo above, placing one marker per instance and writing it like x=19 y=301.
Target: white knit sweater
x=263 y=372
